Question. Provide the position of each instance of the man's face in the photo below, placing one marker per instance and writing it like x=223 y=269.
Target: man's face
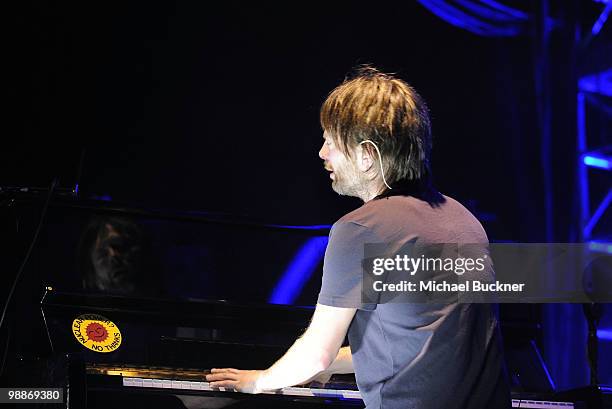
x=346 y=178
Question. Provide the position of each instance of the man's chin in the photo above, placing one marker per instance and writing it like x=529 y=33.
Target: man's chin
x=339 y=189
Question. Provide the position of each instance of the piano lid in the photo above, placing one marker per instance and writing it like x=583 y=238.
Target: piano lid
x=168 y=269
x=107 y=248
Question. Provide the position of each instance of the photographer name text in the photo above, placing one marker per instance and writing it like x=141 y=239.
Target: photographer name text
x=444 y=286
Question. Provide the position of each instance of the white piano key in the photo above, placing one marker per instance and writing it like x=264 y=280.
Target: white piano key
x=296 y=391
x=349 y=394
x=197 y=385
x=137 y=382
x=205 y=386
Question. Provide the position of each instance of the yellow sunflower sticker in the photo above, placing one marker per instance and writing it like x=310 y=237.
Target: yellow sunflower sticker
x=96 y=332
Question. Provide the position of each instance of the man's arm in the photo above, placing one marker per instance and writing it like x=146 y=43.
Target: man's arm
x=342 y=364
x=312 y=353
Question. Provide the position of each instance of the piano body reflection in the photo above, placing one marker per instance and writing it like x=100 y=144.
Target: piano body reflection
x=184 y=293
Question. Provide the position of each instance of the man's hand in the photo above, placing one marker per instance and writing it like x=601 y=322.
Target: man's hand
x=237 y=379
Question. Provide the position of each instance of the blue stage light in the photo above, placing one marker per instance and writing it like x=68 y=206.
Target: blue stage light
x=299 y=271
x=597 y=83
x=600 y=247
x=597 y=162
x=304 y=227
x=605 y=334
x=602 y=19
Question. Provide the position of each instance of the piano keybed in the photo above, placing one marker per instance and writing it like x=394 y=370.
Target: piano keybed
x=181 y=380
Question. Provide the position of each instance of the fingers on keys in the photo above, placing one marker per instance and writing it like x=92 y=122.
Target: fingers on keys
x=222 y=374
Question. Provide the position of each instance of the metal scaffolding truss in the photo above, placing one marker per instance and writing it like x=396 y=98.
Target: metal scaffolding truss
x=599 y=157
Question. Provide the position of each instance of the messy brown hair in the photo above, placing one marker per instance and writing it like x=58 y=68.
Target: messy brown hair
x=371 y=105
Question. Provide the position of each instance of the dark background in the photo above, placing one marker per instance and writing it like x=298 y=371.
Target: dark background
x=214 y=108
x=199 y=107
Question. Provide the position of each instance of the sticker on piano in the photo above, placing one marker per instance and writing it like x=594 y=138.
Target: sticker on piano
x=96 y=332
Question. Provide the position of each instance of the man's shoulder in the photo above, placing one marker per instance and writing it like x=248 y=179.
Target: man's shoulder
x=354 y=217
x=349 y=225
x=353 y=227
x=372 y=212
x=447 y=221
x=368 y=213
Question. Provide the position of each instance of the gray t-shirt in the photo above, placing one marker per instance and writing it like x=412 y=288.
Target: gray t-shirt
x=409 y=355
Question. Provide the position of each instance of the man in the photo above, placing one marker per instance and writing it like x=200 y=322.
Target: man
x=377 y=144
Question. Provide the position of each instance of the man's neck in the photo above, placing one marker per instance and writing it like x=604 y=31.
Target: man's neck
x=370 y=192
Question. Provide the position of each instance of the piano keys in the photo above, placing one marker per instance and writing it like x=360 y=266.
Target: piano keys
x=178 y=381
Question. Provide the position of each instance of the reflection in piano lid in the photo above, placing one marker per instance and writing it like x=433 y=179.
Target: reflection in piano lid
x=112 y=249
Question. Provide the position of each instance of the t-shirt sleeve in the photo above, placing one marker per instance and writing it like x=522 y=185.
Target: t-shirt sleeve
x=342 y=266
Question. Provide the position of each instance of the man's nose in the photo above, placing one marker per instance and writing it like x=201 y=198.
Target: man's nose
x=323 y=152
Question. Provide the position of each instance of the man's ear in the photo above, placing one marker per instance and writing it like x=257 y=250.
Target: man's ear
x=365 y=160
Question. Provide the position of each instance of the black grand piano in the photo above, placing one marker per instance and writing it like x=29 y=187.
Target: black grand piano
x=125 y=307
